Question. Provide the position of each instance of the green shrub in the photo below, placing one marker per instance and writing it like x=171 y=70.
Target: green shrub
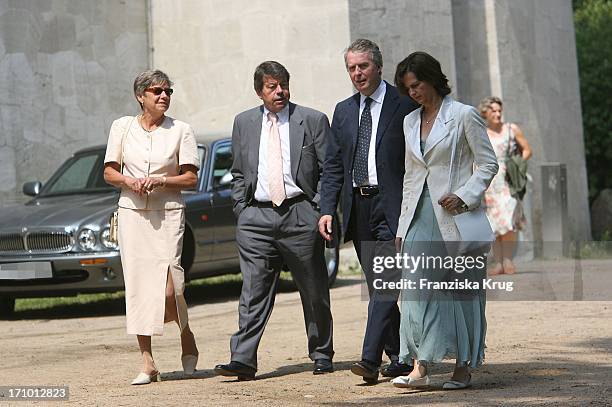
x=593 y=24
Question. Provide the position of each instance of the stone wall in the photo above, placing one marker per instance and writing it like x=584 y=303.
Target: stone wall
x=66 y=71
x=398 y=27
x=66 y=68
x=540 y=89
x=212 y=52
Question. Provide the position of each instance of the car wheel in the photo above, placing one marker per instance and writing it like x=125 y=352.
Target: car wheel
x=332 y=261
x=7 y=306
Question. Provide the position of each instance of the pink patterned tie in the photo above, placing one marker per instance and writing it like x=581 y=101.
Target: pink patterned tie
x=276 y=183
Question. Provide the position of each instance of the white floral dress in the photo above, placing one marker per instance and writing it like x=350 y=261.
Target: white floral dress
x=500 y=204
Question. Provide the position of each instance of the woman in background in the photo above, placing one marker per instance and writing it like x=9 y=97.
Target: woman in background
x=503 y=210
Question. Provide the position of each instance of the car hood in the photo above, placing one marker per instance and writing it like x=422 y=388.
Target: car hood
x=64 y=212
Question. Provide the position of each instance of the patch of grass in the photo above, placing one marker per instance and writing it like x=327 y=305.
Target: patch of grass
x=592 y=250
x=208 y=281
x=29 y=304
x=198 y=291
x=351 y=269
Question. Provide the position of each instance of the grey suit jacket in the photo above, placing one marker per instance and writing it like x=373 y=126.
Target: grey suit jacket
x=308 y=131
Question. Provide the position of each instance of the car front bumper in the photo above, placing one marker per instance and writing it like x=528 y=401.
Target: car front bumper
x=72 y=273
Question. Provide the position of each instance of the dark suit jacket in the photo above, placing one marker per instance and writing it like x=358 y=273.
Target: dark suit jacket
x=308 y=132
x=390 y=157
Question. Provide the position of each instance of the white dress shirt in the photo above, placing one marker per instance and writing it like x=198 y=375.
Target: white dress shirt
x=375 y=107
x=291 y=189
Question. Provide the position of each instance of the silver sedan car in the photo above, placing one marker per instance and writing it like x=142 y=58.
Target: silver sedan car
x=58 y=243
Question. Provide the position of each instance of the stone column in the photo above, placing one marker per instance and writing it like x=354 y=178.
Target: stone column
x=66 y=71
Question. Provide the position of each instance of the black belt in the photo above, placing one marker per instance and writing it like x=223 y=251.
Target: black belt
x=366 y=190
x=286 y=202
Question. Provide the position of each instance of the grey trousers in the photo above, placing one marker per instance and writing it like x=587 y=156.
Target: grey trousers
x=268 y=238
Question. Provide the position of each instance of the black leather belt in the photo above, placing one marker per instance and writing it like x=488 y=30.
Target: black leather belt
x=286 y=202
x=366 y=190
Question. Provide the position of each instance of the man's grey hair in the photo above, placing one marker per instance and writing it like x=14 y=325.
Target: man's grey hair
x=147 y=79
x=367 y=46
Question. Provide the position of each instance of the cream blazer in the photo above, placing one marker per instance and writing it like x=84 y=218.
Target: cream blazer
x=152 y=154
x=475 y=163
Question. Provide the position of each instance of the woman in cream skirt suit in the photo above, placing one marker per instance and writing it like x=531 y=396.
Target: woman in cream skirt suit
x=151 y=157
x=437 y=324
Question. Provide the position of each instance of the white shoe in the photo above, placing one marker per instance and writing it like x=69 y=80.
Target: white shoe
x=189 y=364
x=407 y=381
x=456 y=385
x=144 y=378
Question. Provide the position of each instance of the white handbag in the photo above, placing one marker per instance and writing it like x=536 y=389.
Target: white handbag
x=473 y=225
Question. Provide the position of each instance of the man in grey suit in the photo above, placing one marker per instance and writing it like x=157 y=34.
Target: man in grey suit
x=278 y=150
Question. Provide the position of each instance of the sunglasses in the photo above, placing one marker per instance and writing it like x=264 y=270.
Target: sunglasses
x=158 y=91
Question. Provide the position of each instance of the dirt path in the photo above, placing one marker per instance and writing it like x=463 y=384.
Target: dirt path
x=539 y=353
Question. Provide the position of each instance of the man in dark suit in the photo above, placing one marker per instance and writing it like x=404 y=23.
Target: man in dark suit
x=278 y=152
x=365 y=162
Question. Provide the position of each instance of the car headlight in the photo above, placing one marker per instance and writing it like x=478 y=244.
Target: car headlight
x=86 y=239
x=104 y=238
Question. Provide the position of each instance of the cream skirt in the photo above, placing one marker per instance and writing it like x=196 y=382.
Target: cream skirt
x=151 y=243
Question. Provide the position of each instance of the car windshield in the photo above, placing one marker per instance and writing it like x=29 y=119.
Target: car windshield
x=82 y=173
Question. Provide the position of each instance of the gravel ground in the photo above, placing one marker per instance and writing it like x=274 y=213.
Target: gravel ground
x=538 y=353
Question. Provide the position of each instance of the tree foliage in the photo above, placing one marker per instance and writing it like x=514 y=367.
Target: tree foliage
x=593 y=24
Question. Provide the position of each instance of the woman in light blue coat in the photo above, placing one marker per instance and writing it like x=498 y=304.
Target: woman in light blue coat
x=449 y=165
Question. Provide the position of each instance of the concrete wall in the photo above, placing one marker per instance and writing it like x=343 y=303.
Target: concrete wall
x=66 y=71
x=212 y=48
x=472 y=60
x=398 y=27
x=540 y=89
x=66 y=68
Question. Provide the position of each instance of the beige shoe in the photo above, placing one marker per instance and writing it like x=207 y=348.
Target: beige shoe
x=144 y=378
x=189 y=364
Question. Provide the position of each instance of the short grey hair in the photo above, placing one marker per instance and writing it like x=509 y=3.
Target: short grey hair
x=366 y=46
x=147 y=79
x=485 y=104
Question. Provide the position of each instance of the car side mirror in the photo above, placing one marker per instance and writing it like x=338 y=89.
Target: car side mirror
x=226 y=179
x=32 y=188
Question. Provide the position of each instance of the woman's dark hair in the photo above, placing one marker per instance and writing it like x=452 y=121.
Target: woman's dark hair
x=426 y=68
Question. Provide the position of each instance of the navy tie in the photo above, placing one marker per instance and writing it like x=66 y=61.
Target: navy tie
x=360 y=165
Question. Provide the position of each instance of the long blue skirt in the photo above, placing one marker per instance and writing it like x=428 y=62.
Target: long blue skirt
x=438 y=324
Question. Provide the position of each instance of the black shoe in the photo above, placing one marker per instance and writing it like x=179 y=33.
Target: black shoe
x=322 y=366
x=367 y=370
x=241 y=370
x=396 y=368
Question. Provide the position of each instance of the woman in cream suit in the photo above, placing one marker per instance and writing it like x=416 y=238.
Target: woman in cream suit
x=439 y=324
x=159 y=156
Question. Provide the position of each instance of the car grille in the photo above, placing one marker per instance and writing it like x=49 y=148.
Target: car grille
x=35 y=242
x=11 y=242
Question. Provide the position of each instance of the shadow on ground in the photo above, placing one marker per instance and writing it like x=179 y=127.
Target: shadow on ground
x=196 y=294
x=542 y=382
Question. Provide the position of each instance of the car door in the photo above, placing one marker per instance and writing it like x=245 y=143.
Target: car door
x=222 y=215
x=198 y=211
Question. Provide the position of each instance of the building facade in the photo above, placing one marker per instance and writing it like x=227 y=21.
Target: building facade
x=66 y=69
